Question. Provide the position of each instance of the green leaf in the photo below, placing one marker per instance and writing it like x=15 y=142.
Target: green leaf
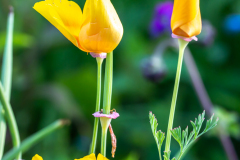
x=159 y=136
x=176 y=133
x=184 y=137
x=12 y=124
x=184 y=140
x=210 y=124
x=6 y=77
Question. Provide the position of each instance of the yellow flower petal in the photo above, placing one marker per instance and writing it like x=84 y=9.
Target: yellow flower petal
x=101 y=157
x=37 y=157
x=89 y=157
x=186 y=18
x=64 y=15
x=101 y=30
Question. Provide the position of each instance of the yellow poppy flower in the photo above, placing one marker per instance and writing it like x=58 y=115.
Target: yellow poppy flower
x=37 y=157
x=89 y=157
x=186 y=18
x=98 y=29
x=92 y=157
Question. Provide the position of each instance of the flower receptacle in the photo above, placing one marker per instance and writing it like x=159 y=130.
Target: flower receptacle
x=105 y=122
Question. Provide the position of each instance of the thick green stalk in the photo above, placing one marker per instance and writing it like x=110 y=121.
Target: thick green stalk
x=182 y=46
x=108 y=84
x=11 y=120
x=105 y=122
x=6 y=77
x=35 y=138
x=106 y=100
x=159 y=152
x=95 y=128
x=104 y=141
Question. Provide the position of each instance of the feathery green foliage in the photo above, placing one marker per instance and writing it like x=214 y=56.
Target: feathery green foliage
x=186 y=140
x=158 y=135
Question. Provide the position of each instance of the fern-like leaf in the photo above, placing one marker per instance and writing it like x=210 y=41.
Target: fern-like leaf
x=176 y=133
x=159 y=136
x=186 y=140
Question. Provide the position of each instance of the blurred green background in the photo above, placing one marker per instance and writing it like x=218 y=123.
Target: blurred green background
x=52 y=79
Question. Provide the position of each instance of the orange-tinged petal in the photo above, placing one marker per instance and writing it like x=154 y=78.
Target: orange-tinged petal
x=65 y=15
x=102 y=29
x=89 y=157
x=186 y=18
x=101 y=157
x=37 y=157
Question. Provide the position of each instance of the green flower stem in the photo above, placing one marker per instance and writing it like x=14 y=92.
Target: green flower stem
x=6 y=77
x=159 y=152
x=180 y=156
x=11 y=120
x=35 y=138
x=104 y=141
x=106 y=100
x=108 y=84
x=95 y=128
x=105 y=122
x=182 y=46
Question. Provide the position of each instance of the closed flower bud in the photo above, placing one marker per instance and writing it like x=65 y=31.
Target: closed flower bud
x=186 y=19
x=101 y=30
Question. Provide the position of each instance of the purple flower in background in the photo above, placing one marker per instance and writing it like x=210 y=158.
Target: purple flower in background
x=161 y=21
x=232 y=23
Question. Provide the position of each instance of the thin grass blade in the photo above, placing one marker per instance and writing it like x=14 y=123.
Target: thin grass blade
x=6 y=77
